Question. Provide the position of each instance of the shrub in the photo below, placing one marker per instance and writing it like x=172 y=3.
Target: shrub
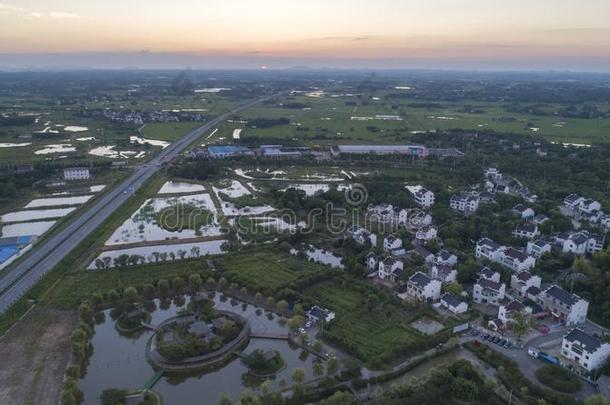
x=558 y=378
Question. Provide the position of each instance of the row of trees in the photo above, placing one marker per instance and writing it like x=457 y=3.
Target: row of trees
x=125 y=260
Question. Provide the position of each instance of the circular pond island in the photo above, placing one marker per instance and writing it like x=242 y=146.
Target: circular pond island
x=192 y=342
x=263 y=363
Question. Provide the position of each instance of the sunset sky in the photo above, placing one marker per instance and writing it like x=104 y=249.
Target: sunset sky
x=490 y=34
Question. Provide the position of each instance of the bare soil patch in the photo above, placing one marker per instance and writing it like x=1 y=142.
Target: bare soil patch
x=34 y=355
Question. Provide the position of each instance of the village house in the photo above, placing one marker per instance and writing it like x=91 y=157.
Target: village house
x=522 y=282
x=523 y=212
x=426 y=233
x=508 y=308
x=445 y=274
x=371 y=260
x=572 y=201
x=361 y=235
x=464 y=203
x=515 y=259
x=587 y=351
x=487 y=290
x=419 y=218
x=318 y=314
x=390 y=269
x=579 y=243
x=387 y=214
x=487 y=249
x=539 y=247
x=587 y=206
x=493 y=173
x=528 y=230
x=419 y=250
x=454 y=304
x=506 y=256
x=424 y=198
x=423 y=288
x=540 y=219
x=564 y=305
x=489 y=274
x=446 y=258
x=391 y=243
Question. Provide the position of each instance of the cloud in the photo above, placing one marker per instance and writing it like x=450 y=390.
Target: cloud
x=63 y=15
x=26 y=13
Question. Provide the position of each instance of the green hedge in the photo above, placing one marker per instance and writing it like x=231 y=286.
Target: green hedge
x=509 y=374
x=558 y=378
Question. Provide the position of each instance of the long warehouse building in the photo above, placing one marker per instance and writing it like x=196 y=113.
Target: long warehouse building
x=418 y=151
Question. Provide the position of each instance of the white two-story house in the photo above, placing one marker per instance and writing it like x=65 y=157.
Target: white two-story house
x=587 y=351
x=392 y=243
x=487 y=291
x=424 y=198
x=454 y=304
x=464 y=203
x=445 y=274
x=390 y=269
x=521 y=282
x=528 y=230
x=423 y=288
x=426 y=233
x=564 y=305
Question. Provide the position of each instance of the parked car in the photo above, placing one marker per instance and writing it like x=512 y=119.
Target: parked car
x=544 y=329
x=508 y=345
x=502 y=342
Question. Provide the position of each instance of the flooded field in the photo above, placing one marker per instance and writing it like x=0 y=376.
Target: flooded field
x=178 y=187
x=56 y=202
x=156 y=253
x=142 y=226
x=233 y=189
x=27 y=228
x=32 y=215
x=322 y=256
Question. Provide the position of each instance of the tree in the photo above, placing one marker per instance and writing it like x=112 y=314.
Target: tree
x=163 y=286
x=520 y=323
x=222 y=283
x=112 y=295
x=258 y=297
x=130 y=294
x=270 y=302
x=317 y=346
x=178 y=284
x=318 y=368
x=195 y=281
x=225 y=400
x=210 y=283
x=298 y=309
x=596 y=400
x=340 y=398
x=148 y=290
x=298 y=375
x=295 y=322
x=282 y=306
x=112 y=396
x=455 y=289
x=332 y=365
x=85 y=311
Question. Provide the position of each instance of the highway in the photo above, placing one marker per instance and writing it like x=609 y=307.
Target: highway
x=46 y=255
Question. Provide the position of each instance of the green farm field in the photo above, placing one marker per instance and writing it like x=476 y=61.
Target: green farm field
x=329 y=120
